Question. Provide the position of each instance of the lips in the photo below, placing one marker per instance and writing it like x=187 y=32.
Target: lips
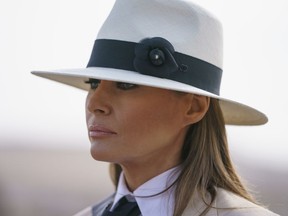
x=96 y=131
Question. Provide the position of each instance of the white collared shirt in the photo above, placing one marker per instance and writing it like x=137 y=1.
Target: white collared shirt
x=160 y=205
x=226 y=203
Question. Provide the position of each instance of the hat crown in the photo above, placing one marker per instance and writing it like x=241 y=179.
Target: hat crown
x=189 y=28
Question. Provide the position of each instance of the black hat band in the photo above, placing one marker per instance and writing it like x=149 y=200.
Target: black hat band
x=156 y=57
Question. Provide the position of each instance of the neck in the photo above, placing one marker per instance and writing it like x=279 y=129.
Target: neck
x=137 y=174
x=139 y=169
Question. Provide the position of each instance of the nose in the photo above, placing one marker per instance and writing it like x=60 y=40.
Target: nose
x=98 y=100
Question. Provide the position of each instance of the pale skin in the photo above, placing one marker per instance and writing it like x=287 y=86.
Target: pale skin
x=141 y=128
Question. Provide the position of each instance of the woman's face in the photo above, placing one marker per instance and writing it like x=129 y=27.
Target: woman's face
x=129 y=123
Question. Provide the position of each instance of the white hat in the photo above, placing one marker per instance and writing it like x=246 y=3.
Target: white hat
x=170 y=44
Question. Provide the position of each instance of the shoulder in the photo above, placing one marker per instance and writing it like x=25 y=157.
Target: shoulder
x=227 y=204
x=97 y=209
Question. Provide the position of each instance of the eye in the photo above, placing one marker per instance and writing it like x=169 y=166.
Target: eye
x=94 y=83
x=126 y=86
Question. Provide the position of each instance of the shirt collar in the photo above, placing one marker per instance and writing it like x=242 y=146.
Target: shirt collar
x=161 y=204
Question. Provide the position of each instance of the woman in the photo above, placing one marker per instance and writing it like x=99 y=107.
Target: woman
x=154 y=112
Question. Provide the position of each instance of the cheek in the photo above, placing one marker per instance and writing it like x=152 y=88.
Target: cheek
x=151 y=123
x=89 y=115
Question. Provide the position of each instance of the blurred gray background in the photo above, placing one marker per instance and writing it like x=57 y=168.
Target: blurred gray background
x=62 y=182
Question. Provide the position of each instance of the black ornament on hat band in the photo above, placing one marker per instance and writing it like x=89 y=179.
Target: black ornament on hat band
x=156 y=57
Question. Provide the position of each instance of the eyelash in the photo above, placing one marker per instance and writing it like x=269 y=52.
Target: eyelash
x=125 y=86
x=94 y=83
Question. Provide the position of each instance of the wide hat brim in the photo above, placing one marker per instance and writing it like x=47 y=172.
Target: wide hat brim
x=234 y=113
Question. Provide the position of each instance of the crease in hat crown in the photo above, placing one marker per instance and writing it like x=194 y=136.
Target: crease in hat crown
x=192 y=30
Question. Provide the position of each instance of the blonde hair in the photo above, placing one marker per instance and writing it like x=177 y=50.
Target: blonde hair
x=205 y=152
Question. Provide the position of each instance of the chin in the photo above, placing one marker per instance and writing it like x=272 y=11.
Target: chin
x=101 y=155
